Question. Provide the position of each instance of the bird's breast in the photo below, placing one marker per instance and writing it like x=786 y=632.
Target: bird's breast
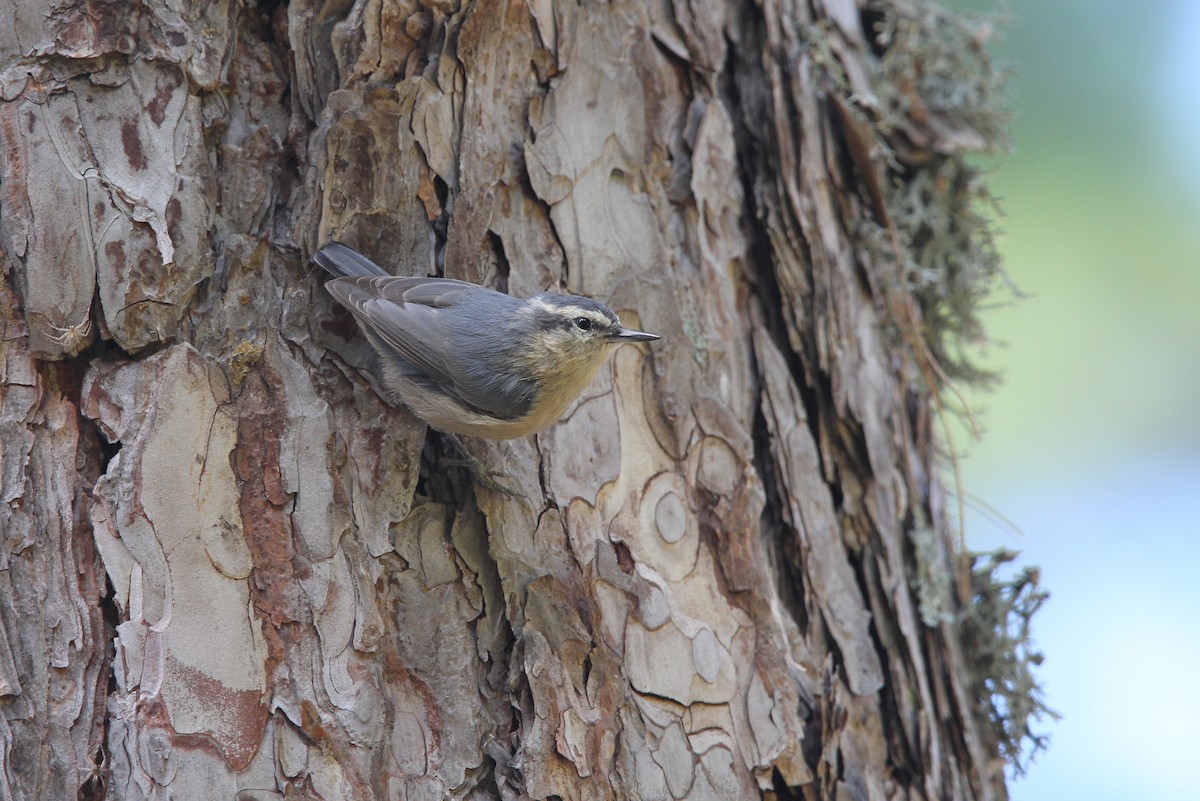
x=559 y=388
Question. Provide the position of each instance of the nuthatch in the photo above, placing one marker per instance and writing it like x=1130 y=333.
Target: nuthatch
x=469 y=360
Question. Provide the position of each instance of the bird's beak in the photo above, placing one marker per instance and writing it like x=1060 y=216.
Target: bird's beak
x=628 y=335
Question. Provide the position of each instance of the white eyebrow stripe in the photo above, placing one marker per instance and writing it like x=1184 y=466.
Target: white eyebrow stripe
x=572 y=311
x=577 y=311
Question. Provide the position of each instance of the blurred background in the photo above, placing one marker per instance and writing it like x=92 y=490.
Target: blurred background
x=1092 y=444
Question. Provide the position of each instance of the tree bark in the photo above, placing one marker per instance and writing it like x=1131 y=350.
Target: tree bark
x=232 y=570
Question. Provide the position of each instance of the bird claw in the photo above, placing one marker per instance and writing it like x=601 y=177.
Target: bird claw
x=479 y=471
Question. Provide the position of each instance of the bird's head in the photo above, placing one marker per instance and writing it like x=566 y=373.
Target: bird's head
x=572 y=333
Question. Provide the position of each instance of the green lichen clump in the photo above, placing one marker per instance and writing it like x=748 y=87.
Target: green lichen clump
x=999 y=646
x=953 y=265
x=937 y=61
x=944 y=104
x=942 y=109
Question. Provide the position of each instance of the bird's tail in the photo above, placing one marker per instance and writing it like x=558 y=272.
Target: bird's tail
x=343 y=260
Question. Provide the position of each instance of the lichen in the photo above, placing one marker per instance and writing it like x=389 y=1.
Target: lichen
x=943 y=102
x=936 y=62
x=932 y=580
x=245 y=357
x=1001 y=654
x=941 y=106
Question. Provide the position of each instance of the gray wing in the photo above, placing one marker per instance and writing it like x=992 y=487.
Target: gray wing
x=341 y=260
x=410 y=316
x=405 y=314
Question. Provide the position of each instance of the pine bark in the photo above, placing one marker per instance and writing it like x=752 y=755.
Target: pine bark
x=232 y=570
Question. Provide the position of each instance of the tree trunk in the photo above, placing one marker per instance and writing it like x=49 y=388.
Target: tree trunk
x=232 y=570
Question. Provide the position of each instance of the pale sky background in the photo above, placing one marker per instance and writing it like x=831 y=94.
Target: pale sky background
x=1093 y=442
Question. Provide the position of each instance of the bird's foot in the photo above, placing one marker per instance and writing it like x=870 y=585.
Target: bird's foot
x=480 y=471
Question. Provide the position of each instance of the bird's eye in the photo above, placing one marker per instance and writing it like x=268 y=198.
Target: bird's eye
x=583 y=324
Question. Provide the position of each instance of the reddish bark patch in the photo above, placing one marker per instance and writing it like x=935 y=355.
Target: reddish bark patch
x=407 y=684
x=263 y=502
x=240 y=714
x=174 y=216
x=157 y=107
x=133 y=145
x=12 y=139
x=115 y=251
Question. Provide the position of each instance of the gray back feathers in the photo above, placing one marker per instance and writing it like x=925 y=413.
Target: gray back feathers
x=437 y=332
x=467 y=342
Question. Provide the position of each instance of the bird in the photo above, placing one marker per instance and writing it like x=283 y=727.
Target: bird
x=468 y=360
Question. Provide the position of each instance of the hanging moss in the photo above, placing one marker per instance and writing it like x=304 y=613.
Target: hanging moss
x=943 y=103
x=1001 y=654
x=942 y=106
